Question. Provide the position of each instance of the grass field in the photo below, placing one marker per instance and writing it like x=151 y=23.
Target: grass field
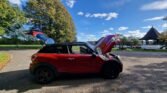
x=20 y=46
x=4 y=59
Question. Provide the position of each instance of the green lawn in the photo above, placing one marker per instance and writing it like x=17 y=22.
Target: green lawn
x=4 y=59
x=20 y=46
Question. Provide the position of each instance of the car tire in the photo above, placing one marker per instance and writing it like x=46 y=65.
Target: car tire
x=44 y=75
x=110 y=70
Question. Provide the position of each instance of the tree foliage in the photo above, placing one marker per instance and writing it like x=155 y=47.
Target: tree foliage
x=123 y=42
x=2 y=31
x=163 y=36
x=52 y=17
x=133 y=41
x=9 y=15
x=128 y=41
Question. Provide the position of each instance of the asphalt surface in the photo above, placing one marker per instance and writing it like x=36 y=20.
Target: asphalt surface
x=143 y=73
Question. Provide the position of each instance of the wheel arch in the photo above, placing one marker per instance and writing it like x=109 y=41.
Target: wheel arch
x=113 y=63
x=45 y=64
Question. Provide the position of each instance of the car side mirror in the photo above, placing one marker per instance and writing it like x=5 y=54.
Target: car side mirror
x=93 y=55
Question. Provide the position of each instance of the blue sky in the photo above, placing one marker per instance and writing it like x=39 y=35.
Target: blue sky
x=96 y=18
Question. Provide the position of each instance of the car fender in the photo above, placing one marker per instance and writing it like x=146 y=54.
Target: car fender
x=112 y=63
x=44 y=64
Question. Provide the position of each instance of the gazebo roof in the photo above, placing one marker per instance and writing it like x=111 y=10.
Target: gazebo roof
x=152 y=34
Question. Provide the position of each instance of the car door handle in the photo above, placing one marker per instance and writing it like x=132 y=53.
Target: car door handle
x=71 y=58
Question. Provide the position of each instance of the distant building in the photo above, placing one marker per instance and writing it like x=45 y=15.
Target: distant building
x=151 y=39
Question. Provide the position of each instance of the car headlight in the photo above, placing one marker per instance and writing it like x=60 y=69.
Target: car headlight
x=119 y=56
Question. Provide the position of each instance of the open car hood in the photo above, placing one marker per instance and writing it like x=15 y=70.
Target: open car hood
x=105 y=44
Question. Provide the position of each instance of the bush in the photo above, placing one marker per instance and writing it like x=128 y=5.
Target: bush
x=17 y=41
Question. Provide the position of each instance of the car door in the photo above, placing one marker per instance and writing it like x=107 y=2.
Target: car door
x=87 y=63
x=82 y=60
x=59 y=57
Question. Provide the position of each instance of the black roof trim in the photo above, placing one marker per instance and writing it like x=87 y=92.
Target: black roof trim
x=152 y=34
x=67 y=43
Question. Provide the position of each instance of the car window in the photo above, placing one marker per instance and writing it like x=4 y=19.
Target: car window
x=79 y=49
x=60 y=49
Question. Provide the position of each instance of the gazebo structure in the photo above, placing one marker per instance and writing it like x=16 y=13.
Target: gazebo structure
x=151 y=39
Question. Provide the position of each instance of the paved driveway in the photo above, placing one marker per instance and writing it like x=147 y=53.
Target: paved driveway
x=143 y=73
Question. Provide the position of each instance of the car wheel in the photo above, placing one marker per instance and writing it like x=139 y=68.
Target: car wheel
x=44 y=75
x=110 y=71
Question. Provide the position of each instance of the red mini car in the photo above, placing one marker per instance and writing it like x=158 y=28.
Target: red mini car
x=76 y=58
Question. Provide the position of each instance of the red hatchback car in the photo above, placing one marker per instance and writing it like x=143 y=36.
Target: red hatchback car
x=76 y=58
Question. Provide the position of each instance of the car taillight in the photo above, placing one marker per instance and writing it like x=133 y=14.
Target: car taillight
x=33 y=57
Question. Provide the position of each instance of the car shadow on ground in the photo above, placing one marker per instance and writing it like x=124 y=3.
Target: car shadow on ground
x=140 y=79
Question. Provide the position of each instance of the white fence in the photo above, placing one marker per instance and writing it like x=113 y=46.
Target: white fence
x=151 y=46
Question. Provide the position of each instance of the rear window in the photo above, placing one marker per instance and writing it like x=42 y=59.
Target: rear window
x=59 y=49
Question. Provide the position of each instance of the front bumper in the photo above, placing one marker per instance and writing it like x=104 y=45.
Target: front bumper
x=117 y=57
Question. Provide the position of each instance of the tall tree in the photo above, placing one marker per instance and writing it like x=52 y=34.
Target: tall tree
x=53 y=18
x=133 y=41
x=124 y=41
x=163 y=37
x=10 y=15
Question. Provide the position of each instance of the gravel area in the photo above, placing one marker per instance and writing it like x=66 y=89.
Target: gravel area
x=144 y=72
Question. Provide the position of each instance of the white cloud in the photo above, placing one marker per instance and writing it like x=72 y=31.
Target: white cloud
x=164 y=25
x=146 y=27
x=80 y=13
x=87 y=15
x=111 y=16
x=70 y=3
x=105 y=32
x=155 y=18
x=18 y=2
x=122 y=28
x=156 y=5
x=135 y=33
x=99 y=15
x=106 y=16
x=86 y=37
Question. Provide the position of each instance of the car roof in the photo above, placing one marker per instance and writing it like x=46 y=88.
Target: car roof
x=70 y=43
